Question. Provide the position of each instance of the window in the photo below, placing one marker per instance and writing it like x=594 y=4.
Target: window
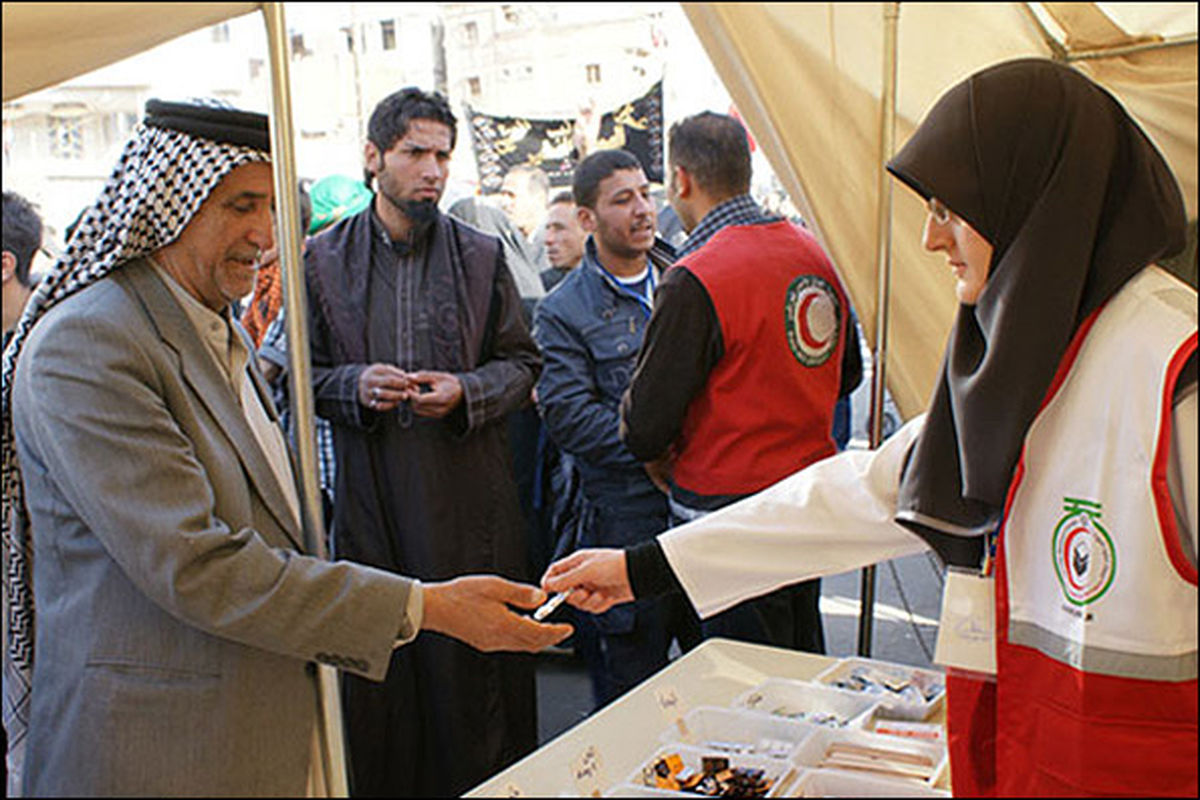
x=66 y=138
x=474 y=85
x=298 y=48
x=256 y=68
x=220 y=33
x=471 y=33
x=389 y=34
x=517 y=72
x=593 y=73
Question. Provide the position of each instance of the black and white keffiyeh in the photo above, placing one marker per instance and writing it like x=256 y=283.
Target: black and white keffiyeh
x=175 y=159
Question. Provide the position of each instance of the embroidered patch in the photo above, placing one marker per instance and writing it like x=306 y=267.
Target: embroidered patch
x=1085 y=559
x=813 y=320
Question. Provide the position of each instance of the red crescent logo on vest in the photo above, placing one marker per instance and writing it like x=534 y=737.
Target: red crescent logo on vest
x=1085 y=559
x=813 y=320
x=803 y=320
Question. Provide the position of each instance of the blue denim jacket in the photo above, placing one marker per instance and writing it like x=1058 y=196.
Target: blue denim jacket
x=589 y=331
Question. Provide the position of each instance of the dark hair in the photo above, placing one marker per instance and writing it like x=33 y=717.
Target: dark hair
x=595 y=168
x=390 y=119
x=715 y=150
x=22 y=233
x=564 y=196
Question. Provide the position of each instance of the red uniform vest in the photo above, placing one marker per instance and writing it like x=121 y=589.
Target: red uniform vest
x=1096 y=688
x=767 y=407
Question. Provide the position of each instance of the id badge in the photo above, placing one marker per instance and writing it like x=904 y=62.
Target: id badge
x=967 y=631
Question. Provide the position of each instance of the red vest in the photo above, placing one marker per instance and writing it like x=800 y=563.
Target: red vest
x=767 y=407
x=1096 y=688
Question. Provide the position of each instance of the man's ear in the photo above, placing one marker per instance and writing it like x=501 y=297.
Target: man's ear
x=683 y=181
x=10 y=265
x=587 y=219
x=372 y=158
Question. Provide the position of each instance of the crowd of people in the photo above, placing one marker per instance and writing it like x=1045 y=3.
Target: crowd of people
x=540 y=387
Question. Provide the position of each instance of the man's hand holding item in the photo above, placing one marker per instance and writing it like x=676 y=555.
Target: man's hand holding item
x=434 y=394
x=382 y=387
x=475 y=609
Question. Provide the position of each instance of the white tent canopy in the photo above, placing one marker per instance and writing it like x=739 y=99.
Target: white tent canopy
x=48 y=43
x=808 y=77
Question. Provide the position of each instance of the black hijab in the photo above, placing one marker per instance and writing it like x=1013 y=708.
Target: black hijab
x=1075 y=200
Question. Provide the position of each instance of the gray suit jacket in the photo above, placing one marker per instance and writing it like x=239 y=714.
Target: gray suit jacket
x=177 y=619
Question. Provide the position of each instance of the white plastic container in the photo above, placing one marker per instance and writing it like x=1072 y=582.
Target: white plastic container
x=811 y=754
x=784 y=699
x=781 y=772
x=926 y=689
x=837 y=783
x=634 y=790
x=733 y=732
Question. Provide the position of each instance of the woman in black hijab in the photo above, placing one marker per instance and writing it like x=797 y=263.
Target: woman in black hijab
x=1048 y=201
x=1074 y=201
x=1065 y=416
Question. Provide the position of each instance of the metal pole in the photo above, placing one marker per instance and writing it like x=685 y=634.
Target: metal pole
x=887 y=144
x=329 y=709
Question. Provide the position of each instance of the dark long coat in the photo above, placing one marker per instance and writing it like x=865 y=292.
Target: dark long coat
x=431 y=499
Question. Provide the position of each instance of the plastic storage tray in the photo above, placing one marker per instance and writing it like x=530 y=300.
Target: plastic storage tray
x=930 y=686
x=837 y=783
x=709 y=727
x=812 y=751
x=782 y=698
x=636 y=790
x=781 y=772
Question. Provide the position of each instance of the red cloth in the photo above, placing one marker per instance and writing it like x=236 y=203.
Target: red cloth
x=265 y=303
x=971 y=730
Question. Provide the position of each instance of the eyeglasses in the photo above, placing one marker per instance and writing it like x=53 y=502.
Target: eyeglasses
x=941 y=215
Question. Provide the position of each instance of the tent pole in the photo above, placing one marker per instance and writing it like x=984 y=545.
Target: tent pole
x=887 y=143
x=329 y=710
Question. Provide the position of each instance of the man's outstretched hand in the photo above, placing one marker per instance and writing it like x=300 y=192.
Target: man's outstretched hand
x=475 y=609
x=596 y=578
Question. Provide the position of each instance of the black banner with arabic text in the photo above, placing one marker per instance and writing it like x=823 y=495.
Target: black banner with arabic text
x=502 y=143
x=637 y=127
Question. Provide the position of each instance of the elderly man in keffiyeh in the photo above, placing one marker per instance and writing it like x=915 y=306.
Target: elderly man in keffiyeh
x=150 y=512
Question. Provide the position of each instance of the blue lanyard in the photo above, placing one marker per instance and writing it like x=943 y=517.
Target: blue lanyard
x=646 y=304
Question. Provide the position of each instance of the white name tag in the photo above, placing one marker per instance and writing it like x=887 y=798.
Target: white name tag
x=967 y=631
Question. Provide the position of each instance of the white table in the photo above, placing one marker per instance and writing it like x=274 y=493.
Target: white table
x=626 y=731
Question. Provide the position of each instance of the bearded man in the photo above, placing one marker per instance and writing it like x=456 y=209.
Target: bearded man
x=419 y=355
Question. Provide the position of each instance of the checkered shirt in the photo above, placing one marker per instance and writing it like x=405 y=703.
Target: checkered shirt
x=740 y=210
